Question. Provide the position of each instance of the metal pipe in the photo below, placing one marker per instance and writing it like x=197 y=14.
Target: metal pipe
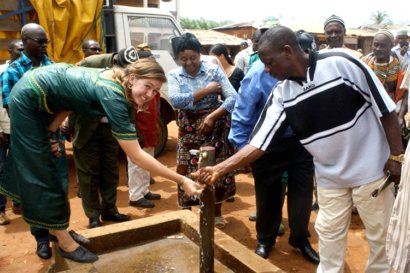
x=23 y=15
x=145 y=3
x=207 y=215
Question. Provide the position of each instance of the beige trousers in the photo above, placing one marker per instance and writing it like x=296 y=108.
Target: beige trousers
x=333 y=222
x=138 y=178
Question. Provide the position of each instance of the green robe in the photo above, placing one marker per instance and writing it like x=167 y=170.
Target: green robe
x=32 y=175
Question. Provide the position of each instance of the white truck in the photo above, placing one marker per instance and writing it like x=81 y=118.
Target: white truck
x=156 y=27
x=123 y=26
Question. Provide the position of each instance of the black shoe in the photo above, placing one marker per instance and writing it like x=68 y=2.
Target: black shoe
x=43 y=250
x=81 y=255
x=79 y=194
x=315 y=206
x=76 y=237
x=95 y=222
x=151 y=181
x=310 y=254
x=152 y=196
x=143 y=203
x=118 y=217
x=262 y=251
x=230 y=199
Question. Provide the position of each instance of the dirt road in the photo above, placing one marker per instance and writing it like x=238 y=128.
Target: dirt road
x=18 y=247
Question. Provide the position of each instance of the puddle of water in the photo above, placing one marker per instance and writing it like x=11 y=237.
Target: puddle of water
x=161 y=256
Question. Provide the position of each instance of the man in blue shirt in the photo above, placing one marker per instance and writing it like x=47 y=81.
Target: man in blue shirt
x=402 y=48
x=35 y=45
x=288 y=155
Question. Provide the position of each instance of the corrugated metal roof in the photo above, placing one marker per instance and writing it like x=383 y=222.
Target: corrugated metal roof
x=365 y=31
x=211 y=37
x=236 y=25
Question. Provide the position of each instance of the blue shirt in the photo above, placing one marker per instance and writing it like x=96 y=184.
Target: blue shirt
x=15 y=72
x=252 y=96
x=181 y=88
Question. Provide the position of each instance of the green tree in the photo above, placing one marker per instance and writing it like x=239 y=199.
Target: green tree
x=380 y=18
x=201 y=23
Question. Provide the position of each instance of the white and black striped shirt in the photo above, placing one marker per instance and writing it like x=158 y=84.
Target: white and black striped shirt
x=335 y=113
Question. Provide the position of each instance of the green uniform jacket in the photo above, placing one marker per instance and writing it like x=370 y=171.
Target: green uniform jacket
x=84 y=127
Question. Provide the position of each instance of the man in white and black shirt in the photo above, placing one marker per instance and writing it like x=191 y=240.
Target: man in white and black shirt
x=341 y=114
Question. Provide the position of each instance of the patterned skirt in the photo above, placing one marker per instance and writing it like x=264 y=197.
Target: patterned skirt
x=189 y=138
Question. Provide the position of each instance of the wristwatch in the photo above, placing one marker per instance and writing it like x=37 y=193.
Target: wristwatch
x=398 y=158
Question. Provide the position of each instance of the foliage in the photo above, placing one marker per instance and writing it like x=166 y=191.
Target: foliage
x=380 y=18
x=201 y=23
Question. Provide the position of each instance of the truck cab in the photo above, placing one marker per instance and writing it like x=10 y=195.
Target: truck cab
x=155 y=27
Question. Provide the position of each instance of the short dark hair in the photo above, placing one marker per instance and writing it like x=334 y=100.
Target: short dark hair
x=278 y=37
x=188 y=41
x=256 y=33
x=219 y=49
x=14 y=42
x=144 y=54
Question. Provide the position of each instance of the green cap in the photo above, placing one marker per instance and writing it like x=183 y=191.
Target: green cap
x=402 y=32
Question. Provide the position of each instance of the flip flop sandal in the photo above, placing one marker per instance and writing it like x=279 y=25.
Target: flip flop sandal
x=219 y=222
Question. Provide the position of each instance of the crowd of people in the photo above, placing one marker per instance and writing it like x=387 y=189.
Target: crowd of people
x=328 y=123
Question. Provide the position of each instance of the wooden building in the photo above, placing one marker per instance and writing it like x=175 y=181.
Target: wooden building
x=354 y=39
x=241 y=30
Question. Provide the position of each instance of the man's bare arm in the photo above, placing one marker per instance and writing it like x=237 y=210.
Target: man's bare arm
x=391 y=128
x=244 y=157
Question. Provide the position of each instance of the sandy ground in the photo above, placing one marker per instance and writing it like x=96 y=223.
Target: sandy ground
x=18 y=247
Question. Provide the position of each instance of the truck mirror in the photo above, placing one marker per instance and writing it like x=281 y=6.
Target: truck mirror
x=174 y=42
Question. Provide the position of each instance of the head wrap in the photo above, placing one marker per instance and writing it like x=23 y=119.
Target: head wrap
x=386 y=33
x=127 y=56
x=402 y=32
x=335 y=18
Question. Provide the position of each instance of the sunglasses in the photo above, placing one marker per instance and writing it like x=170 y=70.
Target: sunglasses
x=39 y=41
x=94 y=49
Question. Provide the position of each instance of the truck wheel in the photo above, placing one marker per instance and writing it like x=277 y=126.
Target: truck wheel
x=162 y=133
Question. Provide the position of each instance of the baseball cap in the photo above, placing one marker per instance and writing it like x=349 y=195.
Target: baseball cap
x=127 y=56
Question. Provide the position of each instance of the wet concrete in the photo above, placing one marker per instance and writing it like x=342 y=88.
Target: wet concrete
x=143 y=246
x=165 y=255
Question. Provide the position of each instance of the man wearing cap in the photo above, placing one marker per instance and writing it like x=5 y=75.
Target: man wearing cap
x=96 y=151
x=335 y=31
x=146 y=123
x=390 y=70
x=402 y=48
x=267 y=23
x=287 y=155
x=244 y=44
x=242 y=58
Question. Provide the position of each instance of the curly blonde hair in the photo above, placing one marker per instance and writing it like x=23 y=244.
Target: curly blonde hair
x=147 y=68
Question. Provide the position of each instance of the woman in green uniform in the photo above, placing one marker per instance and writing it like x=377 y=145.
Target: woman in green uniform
x=36 y=172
